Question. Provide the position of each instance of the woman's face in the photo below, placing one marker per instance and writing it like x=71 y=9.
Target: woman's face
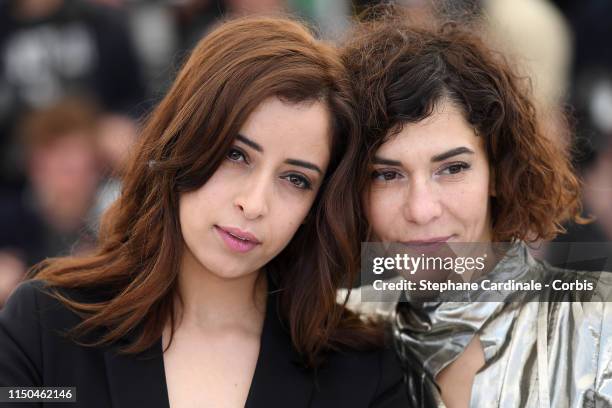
x=431 y=183
x=251 y=207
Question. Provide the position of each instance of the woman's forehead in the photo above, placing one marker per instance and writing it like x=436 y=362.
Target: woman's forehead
x=443 y=130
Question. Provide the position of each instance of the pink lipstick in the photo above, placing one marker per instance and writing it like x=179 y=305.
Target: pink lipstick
x=236 y=239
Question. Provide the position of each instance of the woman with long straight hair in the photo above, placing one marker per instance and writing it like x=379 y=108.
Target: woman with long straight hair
x=214 y=281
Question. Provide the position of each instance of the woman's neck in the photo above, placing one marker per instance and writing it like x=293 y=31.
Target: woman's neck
x=211 y=302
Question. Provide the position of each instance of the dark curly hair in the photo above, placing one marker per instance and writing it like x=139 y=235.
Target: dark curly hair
x=401 y=70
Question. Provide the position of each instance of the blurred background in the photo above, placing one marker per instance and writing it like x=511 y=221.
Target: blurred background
x=78 y=76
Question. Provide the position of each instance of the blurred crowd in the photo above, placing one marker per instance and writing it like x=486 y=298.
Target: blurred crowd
x=78 y=76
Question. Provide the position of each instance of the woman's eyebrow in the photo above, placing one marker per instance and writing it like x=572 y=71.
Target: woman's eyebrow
x=294 y=162
x=249 y=142
x=450 y=153
x=304 y=164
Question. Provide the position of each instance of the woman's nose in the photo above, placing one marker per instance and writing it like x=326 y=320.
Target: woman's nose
x=421 y=203
x=252 y=199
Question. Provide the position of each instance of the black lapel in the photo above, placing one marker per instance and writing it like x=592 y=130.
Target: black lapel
x=279 y=379
x=137 y=380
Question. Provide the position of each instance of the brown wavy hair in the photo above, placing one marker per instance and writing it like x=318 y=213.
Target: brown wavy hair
x=401 y=69
x=230 y=72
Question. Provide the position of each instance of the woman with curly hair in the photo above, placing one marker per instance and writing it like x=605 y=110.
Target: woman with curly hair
x=215 y=278
x=454 y=151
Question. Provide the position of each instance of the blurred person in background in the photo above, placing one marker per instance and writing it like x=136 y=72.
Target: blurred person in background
x=12 y=270
x=194 y=18
x=52 y=215
x=116 y=137
x=591 y=99
x=53 y=48
x=535 y=34
x=242 y=7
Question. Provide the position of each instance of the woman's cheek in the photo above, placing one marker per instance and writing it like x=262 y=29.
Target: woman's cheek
x=380 y=212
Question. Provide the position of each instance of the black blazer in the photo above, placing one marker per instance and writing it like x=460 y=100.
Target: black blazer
x=33 y=352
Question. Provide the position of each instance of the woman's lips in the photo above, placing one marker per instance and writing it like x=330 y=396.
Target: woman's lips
x=237 y=240
x=429 y=241
x=427 y=245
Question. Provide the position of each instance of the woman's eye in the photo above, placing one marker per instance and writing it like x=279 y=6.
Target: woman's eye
x=385 y=175
x=299 y=181
x=236 y=155
x=454 y=168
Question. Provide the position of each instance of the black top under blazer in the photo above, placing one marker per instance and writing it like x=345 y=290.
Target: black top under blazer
x=33 y=352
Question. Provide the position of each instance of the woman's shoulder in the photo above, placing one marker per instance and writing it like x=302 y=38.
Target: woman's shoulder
x=26 y=302
x=36 y=296
x=29 y=325
x=34 y=311
x=21 y=306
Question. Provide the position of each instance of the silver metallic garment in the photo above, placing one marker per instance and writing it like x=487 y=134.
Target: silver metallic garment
x=555 y=352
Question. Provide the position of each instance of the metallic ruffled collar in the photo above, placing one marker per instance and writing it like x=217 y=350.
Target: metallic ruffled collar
x=436 y=333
